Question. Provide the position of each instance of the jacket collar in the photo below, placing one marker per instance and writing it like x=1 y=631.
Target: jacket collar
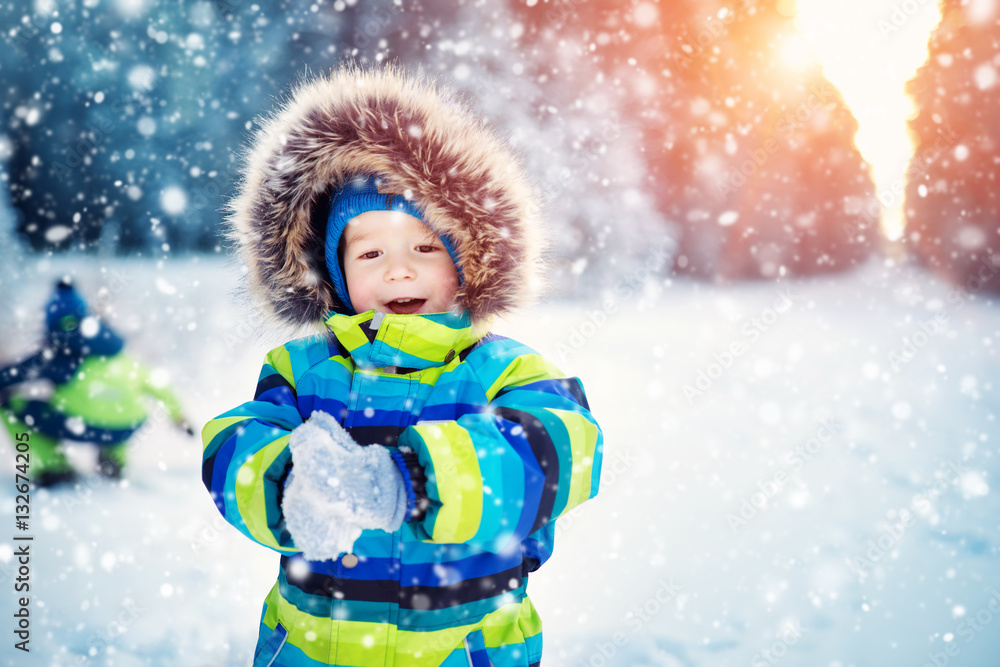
x=375 y=340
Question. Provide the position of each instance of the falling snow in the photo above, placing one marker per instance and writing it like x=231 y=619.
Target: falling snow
x=800 y=468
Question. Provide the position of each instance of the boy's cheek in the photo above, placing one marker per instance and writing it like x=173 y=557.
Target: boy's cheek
x=358 y=288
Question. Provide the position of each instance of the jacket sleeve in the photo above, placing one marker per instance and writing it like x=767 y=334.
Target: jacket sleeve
x=497 y=476
x=32 y=368
x=246 y=455
x=160 y=391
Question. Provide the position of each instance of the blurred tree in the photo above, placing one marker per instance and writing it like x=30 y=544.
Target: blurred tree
x=749 y=149
x=126 y=120
x=557 y=108
x=952 y=200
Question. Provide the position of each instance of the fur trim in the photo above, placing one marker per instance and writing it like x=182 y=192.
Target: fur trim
x=421 y=141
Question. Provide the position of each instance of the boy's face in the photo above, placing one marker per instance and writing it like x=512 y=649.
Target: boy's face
x=394 y=263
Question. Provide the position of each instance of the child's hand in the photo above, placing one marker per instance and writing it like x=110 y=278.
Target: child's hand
x=337 y=488
x=185 y=426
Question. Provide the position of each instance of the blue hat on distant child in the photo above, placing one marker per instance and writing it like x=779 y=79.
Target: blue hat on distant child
x=360 y=195
x=65 y=309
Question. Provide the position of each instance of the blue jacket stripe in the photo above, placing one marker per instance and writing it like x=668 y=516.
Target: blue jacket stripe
x=311 y=403
x=502 y=473
x=220 y=468
x=292 y=656
x=417 y=574
x=249 y=438
x=525 y=460
x=548 y=388
x=282 y=416
x=539 y=545
x=271 y=380
x=546 y=455
x=595 y=471
x=453 y=572
x=444 y=412
x=534 y=477
x=209 y=467
x=457 y=614
x=376 y=417
x=310 y=603
x=278 y=396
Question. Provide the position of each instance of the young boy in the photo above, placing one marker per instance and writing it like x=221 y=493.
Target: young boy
x=407 y=465
x=100 y=393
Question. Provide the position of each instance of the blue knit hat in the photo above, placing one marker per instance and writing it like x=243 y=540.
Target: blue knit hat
x=65 y=309
x=357 y=196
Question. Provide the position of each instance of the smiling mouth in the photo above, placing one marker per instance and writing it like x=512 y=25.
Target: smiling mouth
x=405 y=306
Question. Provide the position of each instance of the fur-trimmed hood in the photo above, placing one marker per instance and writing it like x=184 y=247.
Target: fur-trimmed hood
x=425 y=144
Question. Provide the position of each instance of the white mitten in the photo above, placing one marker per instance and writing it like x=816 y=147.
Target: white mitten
x=337 y=488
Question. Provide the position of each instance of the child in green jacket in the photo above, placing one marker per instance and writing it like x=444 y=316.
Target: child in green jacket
x=99 y=392
x=406 y=464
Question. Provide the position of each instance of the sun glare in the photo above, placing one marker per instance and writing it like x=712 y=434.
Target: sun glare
x=795 y=53
x=869 y=49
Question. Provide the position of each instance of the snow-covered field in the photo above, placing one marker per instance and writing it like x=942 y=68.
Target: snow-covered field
x=785 y=482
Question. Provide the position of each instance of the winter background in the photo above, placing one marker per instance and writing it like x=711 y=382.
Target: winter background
x=775 y=270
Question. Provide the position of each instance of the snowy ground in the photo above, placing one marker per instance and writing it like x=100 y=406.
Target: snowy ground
x=825 y=499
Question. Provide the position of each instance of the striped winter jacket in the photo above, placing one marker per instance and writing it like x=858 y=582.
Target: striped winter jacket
x=507 y=445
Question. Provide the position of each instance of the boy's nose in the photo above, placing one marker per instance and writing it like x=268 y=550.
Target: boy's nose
x=399 y=269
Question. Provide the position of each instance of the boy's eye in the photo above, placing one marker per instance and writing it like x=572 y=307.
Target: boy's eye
x=426 y=248
x=371 y=254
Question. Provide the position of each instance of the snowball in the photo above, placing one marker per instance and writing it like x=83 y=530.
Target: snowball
x=324 y=519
